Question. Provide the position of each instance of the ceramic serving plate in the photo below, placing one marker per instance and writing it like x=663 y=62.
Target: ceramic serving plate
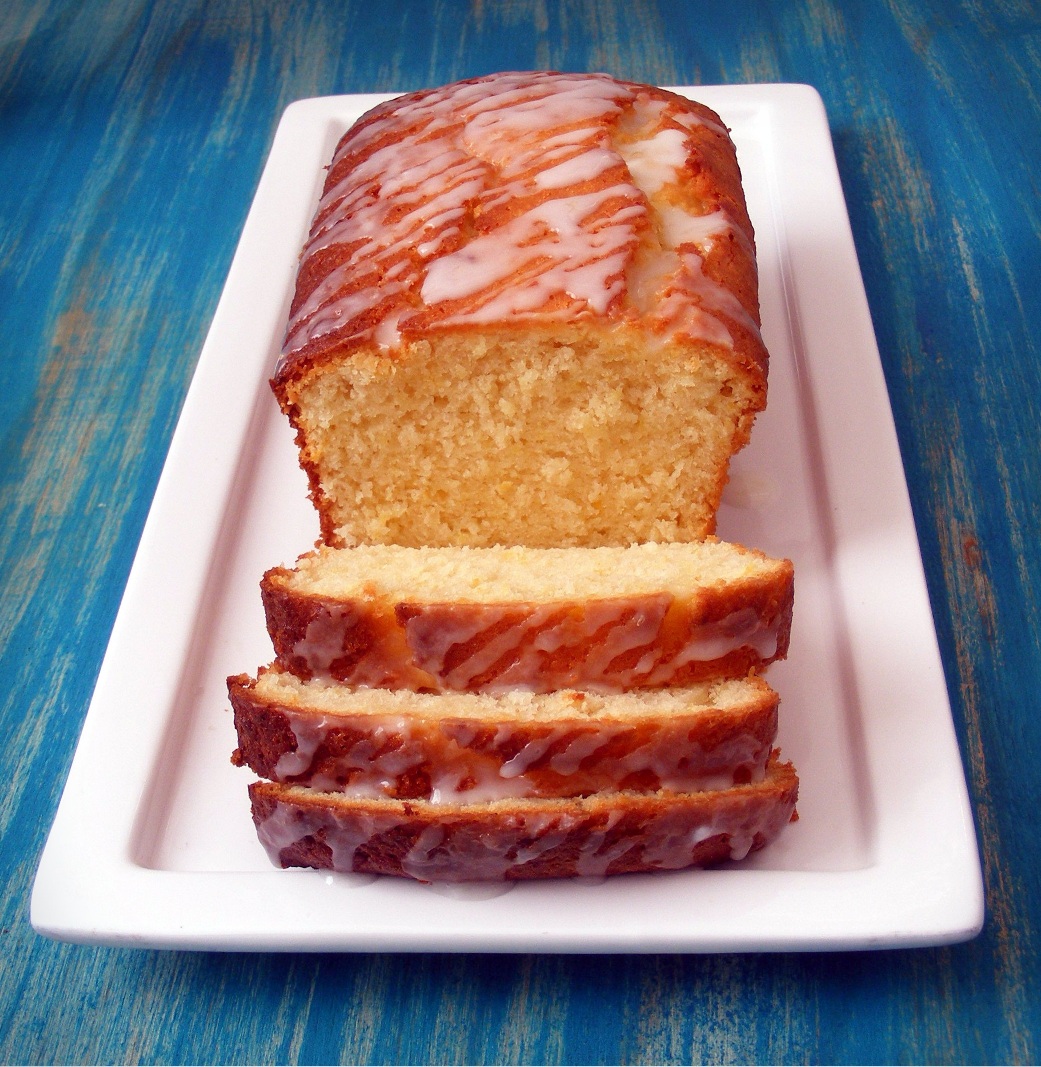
x=164 y=854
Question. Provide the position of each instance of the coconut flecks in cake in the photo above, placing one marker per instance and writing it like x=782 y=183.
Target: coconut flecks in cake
x=523 y=195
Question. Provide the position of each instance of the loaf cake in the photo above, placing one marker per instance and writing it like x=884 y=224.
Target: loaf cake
x=522 y=349
x=526 y=313
x=602 y=834
x=436 y=619
x=479 y=747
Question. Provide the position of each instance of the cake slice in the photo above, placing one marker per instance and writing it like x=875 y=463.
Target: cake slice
x=479 y=747
x=606 y=833
x=526 y=313
x=460 y=619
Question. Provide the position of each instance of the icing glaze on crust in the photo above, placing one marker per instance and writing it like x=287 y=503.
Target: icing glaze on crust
x=477 y=750
x=605 y=834
x=611 y=644
x=527 y=197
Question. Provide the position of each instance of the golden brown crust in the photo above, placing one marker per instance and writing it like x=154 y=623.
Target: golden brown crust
x=489 y=748
x=709 y=180
x=552 y=645
x=606 y=834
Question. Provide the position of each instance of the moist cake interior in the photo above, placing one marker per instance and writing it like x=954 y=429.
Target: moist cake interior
x=544 y=439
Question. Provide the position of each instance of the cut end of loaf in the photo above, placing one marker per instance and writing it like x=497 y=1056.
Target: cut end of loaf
x=554 y=439
x=516 y=573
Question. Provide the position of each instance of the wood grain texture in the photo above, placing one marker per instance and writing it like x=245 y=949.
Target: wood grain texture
x=132 y=135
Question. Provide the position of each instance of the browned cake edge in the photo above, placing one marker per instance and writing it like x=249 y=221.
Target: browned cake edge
x=386 y=751
x=605 y=834
x=399 y=645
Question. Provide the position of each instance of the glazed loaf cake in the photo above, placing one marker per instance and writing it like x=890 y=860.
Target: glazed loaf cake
x=603 y=834
x=461 y=619
x=522 y=349
x=526 y=313
x=477 y=747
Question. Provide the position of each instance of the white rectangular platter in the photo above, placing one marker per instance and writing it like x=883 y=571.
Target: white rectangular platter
x=153 y=844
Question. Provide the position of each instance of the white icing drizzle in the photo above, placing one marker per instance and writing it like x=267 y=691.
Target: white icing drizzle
x=476 y=202
x=493 y=845
x=478 y=765
x=323 y=645
x=541 y=646
x=421 y=858
x=653 y=160
x=680 y=227
x=576 y=169
x=487 y=271
x=322 y=642
x=602 y=633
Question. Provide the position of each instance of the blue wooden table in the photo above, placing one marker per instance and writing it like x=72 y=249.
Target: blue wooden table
x=132 y=135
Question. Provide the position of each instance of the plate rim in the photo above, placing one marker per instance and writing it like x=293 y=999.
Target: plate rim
x=945 y=903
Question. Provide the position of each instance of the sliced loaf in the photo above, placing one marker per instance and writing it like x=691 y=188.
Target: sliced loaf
x=604 y=834
x=648 y=615
x=478 y=747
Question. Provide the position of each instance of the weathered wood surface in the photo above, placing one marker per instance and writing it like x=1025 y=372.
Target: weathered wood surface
x=132 y=134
